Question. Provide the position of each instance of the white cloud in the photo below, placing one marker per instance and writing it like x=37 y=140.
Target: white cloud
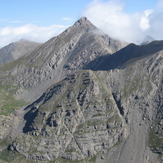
x=29 y=32
x=110 y=16
x=144 y=21
x=160 y=4
x=11 y=21
x=66 y=18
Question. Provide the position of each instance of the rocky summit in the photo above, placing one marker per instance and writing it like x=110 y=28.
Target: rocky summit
x=83 y=97
x=61 y=55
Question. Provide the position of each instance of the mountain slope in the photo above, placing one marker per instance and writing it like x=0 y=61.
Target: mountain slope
x=137 y=80
x=113 y=115
x=16 y=50
x=111 y=112
x=70 y=51
x=74 y=119
x=125 y=56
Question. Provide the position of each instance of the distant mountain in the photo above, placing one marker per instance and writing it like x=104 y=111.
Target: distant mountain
x=16 y=50
x=147 y=40
x=126 y=56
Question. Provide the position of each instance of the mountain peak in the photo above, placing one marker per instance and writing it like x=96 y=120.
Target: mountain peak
x=147 y=39
x=84 y=21
x=24 y=41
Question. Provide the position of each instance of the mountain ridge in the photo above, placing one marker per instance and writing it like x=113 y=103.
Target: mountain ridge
x=112 y=111
x=117 y=94
x=65 y=53
x=122 y=58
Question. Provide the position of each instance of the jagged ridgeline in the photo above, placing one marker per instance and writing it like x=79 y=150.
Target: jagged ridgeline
x=86 y=98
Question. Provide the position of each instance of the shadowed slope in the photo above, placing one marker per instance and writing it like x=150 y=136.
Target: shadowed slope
x=125 y=56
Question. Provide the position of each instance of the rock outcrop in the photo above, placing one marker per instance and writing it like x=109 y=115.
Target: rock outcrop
x=74 y=119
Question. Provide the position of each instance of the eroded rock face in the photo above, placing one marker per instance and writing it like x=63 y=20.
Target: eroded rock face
x=74 y=119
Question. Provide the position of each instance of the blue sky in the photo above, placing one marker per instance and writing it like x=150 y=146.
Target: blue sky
x=48 y=12
x=41 y=12
x=29 y=19
x=139 y=5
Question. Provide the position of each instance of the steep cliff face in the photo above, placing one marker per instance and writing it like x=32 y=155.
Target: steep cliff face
x=74 y=119
x=137 y=89
x=136 y=79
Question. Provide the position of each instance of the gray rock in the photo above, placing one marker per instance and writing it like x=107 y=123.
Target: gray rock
x=61 y=55
x=16 y=50
x=111 y=112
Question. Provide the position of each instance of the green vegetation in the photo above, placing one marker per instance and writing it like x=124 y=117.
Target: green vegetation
x=98 y=115
x=13 y=157
x=137 y=83
x=115 y=119
x=8 y=156
x=95 y=122
x=131 y=86
x=89 y=160
x=105 y=92
x=71 y=150
x=7 y=101
x=5 y=142
x=10 y=65
x=155 y=141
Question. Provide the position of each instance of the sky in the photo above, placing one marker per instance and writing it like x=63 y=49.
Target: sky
x=39 y=20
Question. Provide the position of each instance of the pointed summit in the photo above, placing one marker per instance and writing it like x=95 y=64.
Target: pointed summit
x=83 y=21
